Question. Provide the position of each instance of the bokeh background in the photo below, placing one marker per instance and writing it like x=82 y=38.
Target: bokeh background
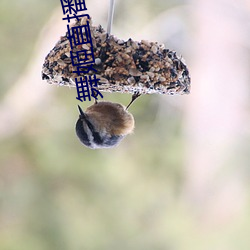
x=180 y=182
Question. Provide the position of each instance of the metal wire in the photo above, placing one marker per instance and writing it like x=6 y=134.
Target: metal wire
x=110 y=15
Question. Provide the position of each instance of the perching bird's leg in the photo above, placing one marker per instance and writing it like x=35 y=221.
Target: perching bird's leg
x=134 y=97
x=95 y=94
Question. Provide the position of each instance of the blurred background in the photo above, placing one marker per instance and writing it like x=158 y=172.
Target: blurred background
x=180 y=182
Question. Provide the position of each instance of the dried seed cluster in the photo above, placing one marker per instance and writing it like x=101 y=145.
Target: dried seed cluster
x=122 y=66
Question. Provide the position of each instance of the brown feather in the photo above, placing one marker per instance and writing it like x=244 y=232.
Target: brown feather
x=111 y=117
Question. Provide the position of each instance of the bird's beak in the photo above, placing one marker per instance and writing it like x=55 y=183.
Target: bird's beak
x=82 y=115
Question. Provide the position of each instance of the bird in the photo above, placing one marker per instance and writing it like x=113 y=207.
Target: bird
x=104 y=124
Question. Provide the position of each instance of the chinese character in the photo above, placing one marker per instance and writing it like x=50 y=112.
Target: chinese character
x=79 y=35
x=82 y=57
x=69 y=7
x=84 y=69
x=94 y=85
x=75 y=16
x=87 y=87
x=80 y=5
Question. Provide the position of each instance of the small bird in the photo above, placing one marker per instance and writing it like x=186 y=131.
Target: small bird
x=104 y=124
